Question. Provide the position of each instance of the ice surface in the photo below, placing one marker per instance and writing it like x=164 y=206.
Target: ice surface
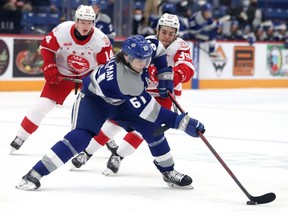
x=247 y=127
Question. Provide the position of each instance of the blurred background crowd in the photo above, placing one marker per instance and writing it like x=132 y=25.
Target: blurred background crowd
x=251 y=20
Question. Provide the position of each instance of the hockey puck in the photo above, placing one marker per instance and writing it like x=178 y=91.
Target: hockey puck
x=250 y=202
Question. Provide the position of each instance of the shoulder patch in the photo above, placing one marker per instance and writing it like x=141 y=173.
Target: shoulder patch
x=183 y=44
x=106 y=40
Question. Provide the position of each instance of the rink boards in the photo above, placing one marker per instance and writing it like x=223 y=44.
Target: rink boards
x=238 y=65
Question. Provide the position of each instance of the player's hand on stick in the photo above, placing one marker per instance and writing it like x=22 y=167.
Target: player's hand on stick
x=189 y=125
x=165 y=77
x=51 y=74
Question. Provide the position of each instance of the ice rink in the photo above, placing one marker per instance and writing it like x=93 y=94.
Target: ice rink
x=247 y=127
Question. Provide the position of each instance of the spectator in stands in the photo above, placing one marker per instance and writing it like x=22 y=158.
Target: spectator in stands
x=247 y=14
x=269 y=31
x=249 y=35
x=109 y=9
x=43 y=6
x=260 y=33
x=203 y=28
x=235 y=33
x=280 y=33
x=186 y=8
x=14 y=5
x=103 y=21
x=220 y=33
x=150 y=9
x=170 y=8
x=138 y=18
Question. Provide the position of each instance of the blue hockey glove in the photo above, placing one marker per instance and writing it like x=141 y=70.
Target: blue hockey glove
x=251 y=40
x=189 y=125
x=165 y=79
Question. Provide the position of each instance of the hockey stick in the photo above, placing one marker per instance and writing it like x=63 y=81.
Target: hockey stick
x=38 y=30
x=72 y=79
x=266 y=198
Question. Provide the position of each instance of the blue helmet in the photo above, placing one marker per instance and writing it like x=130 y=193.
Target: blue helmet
x=169 y=8
x=94 y=2
x=137 y=47
x=206 y=7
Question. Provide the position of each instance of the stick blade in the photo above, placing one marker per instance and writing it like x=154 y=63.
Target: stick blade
x=266 y=198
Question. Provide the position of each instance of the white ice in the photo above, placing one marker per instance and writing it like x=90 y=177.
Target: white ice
x=247 y=127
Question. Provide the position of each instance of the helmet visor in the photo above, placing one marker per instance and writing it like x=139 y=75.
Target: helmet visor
x=139 y=64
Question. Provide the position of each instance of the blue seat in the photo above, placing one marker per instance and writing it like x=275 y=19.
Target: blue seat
x=44 y=21
x=55 y=19
x=35 y=18
x=276 y=13
x=278 y=4
x=57 y=3
x=75 y=3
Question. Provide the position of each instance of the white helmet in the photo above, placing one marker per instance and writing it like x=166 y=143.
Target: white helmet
x=169 y=20
x=85 y=12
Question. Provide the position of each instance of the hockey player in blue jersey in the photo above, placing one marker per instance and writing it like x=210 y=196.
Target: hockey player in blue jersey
x=116 y=91
x=159 y=62
x=103 y=21
x=203 y=28
x=179 y=59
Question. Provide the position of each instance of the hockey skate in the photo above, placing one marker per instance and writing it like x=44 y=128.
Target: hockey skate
x=112 y=146
x=81 y=159
x=16 y=144
x=113 y=164
x=176 y=179
x=30 y=181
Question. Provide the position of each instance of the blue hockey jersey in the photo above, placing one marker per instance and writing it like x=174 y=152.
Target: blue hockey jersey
x=103 y=22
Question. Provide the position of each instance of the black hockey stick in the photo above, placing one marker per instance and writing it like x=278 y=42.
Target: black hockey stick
x=253 y=200
x=72 y=79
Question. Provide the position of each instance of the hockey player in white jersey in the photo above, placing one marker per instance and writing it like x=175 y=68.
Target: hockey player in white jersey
x=73 y=49
x=116 y=91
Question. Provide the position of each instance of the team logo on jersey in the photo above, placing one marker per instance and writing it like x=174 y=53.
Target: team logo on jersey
x=106 y=40
x=183 y=44
x=67 y=44
x=78 y=64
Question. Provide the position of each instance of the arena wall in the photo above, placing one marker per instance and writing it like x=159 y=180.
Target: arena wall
x=238 y=65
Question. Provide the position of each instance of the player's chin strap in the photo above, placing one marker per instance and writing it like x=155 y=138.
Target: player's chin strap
x=266 y=198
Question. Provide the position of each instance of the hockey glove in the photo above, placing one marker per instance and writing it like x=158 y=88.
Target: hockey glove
x=51 y=74
x=165 y=77
x=251 y=40
x=189 y=125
